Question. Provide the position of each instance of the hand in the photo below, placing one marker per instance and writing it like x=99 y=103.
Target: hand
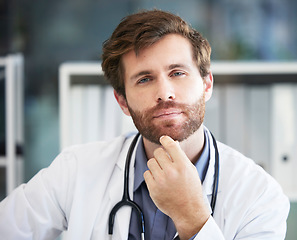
x=175 y=187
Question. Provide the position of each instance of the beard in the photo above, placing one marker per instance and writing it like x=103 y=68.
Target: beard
x=194 y=117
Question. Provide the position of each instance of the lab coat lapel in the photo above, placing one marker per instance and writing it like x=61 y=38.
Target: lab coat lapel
x=122 y=218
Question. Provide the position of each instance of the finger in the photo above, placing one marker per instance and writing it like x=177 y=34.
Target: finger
x=162 y=158
x=154 y=167
x=149 y=179
x=173 y=148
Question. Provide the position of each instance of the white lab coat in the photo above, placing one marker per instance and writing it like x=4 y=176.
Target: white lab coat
x=77 y=191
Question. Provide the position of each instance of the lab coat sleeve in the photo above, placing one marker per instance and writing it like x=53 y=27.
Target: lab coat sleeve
x=267 y=226
x=264 y=219
x=210 y=231
x=36 y=210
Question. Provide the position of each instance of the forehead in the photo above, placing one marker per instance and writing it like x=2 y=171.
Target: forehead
x=171 y=49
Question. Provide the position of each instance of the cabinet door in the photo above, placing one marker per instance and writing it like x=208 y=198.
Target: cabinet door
x=284 y=136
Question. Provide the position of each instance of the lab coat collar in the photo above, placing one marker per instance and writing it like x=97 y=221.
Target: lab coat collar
x=122 y=218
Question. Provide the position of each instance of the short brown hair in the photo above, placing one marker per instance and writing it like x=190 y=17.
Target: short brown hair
x=143 y=29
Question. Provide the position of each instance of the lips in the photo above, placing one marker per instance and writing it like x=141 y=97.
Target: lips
x=165 y=113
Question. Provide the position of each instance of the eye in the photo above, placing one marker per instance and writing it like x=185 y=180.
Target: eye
x=143 y=80
x=177 y=74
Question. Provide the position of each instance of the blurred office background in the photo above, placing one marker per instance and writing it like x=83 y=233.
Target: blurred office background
x=50 y=33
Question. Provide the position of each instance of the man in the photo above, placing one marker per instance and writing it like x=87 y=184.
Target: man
x=160 y=69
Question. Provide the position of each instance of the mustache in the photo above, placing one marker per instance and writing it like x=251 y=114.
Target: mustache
x=167 y=105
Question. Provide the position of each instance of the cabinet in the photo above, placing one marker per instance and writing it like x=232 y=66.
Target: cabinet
x=87 y=107
x=11 y=154
x=253 y=109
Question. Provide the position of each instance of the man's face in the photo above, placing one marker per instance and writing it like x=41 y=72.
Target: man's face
x=165 y=94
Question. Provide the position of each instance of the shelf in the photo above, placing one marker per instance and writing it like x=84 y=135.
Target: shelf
x=2 y=162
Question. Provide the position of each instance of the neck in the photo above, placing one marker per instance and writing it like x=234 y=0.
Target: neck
x=192 y=146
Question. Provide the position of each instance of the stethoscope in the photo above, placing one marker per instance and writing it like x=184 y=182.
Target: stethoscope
x=126 y=200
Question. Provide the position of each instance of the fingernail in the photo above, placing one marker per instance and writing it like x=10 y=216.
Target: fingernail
x=165 y=140
x=162 y=137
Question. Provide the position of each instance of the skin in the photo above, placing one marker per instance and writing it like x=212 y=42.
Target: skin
x=166 y=71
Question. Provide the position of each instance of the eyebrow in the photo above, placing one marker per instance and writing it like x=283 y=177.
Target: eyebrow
x=177 y=65
x=142 y=73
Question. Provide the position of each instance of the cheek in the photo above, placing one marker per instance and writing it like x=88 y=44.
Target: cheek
x=138 y=102
x=191 y=92
x=140 y=98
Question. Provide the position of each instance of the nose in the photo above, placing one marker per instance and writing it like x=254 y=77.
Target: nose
x=165 y=90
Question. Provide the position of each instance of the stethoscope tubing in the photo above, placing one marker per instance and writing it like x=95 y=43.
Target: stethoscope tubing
x=126 y=200
x=216 y=176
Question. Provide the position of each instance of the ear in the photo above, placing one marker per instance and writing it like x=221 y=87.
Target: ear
x=122 y=102
x=208 y=86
